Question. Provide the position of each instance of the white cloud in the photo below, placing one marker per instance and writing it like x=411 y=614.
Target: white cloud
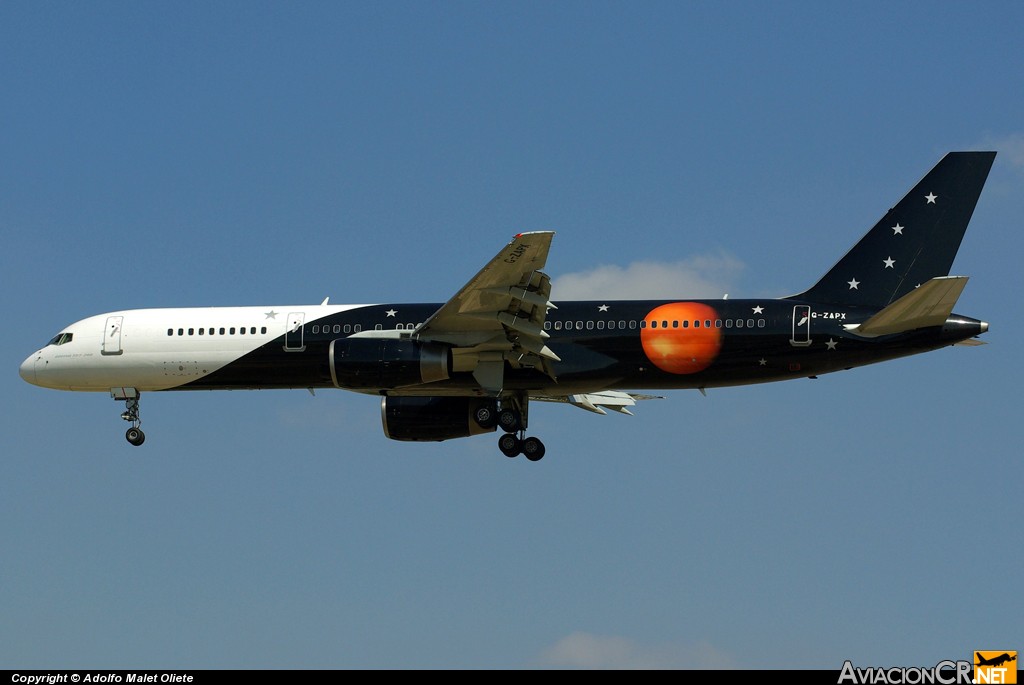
x=589 y=651
x=705 y=276
x=1009 y=147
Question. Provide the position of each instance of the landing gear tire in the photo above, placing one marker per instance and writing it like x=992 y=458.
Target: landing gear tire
x=135 y=436
x=486 y=416
x=533 y=449
x=510 y=421
x=510 y=445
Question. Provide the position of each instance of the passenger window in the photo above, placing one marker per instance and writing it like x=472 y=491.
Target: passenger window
x=728 y=323
x=191 y=331
x=348 y=328
x=600 y=325
x=760 y=323
x=739 y=323
x=181 y=331
x=222 y=331
x=170 y=331
x=718 y=323
x=358 y=327
x=632 y=324
x=547 y=325
x=201 y=331
x=263 y=330
x=558 y=325
x=750 y=323
x=686 y=323
x=232 y=330
x=590 y=325
x=696 y=323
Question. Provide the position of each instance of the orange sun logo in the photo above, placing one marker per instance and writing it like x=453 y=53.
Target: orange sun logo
x=678 y=347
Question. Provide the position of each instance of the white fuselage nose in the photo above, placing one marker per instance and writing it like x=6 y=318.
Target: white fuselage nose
x=70 y=361
x=154 y=349
x=27 y=370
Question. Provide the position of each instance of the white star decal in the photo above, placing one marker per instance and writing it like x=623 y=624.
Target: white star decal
x=603 y=308
x=831 y=344
x=762 y=361
x=271 y=314
x=897 y=229
x=758 y=309
x=889 y=263
x=853 y=284
x=391 y=312
x=931 y=197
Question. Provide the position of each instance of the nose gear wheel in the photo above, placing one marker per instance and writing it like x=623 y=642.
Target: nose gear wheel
x=133 y=435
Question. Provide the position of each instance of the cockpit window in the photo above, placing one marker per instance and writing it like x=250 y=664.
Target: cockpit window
x=60 y=339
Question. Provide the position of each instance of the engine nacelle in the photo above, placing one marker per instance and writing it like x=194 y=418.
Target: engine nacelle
x=368 y=363
x=433 y=419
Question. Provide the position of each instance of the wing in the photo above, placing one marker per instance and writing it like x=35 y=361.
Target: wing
x=597 y=402
x=499 y=314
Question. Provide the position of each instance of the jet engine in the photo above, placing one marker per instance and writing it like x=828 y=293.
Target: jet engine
x=370 y=363
x=423 y=419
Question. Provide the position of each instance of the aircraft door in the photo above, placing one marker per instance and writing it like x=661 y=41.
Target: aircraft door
x=801 y=326
x=293 y=336
x=112 y=336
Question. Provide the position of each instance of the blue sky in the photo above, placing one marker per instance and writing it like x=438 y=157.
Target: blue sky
x=202 y=154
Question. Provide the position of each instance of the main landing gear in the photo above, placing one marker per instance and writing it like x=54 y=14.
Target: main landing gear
x=514 y=442
x=130 y=397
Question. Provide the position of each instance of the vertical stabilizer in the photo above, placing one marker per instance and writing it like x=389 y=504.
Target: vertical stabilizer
x=914 y=242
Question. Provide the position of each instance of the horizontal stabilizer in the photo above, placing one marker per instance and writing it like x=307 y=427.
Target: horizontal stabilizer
x=597 y=402
x=929 y=305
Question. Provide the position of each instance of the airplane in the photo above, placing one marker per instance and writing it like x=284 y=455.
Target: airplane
x=994 y=661
x=473 y=364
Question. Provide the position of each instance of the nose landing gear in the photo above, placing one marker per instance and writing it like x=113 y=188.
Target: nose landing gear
x=130 y=397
